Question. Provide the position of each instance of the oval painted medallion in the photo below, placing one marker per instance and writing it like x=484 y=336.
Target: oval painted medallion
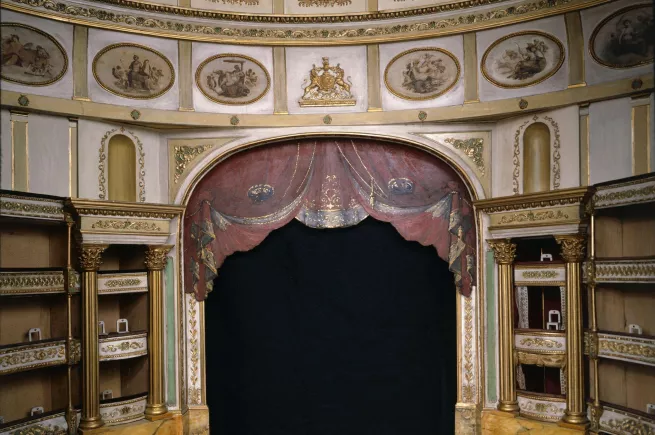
x=133 y=71
x=421 y=73
x=232 y=79
x=31 y=57
x=624 y=39
x=522 y=59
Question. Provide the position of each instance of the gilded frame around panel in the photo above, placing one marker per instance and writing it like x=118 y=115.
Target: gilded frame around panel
x=142 y=47
x=54 y=41
x=552 y=38
x=600 y=25
x=472 y=316
x=413 y=50
x=226 y=102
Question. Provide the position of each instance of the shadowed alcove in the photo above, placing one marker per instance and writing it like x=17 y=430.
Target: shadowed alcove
x=338 y=331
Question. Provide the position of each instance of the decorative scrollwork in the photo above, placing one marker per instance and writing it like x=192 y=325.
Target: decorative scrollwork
x=184 y=155
x=123 y=346
x=102 y=180
x=629 y=426
x=531 y=216
x=473 y=149
x=129 y=282
x=126 y=225
x=539 y=274
x=540 y=342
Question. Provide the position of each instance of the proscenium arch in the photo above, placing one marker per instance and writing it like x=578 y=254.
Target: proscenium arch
x=469 y=356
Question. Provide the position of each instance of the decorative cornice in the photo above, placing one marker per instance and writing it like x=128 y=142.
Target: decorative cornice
x=533 y=200
x=156 y=256
x=91 y=257
x=138 y=17
x=573 y=247
x=504 y=250
x=85 y=207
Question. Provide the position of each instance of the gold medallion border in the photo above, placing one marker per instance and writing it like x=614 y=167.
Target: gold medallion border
x=559 y=44
x=430 y=97
x=167 y=26
x=54 y=41
x=600 y=25
x=230 y=103
x=142 y=47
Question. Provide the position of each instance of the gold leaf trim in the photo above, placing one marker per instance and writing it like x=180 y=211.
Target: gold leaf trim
x=33 y=210
x=540 y=342
x=539 y=274
x=126 y=225
x=185 y=154
x=472 y=148
x=532 y=216
x=112 y=283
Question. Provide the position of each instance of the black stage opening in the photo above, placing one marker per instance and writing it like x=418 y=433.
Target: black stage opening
x=332 y=332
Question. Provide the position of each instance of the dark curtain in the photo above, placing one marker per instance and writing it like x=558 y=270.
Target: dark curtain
x=346 y=331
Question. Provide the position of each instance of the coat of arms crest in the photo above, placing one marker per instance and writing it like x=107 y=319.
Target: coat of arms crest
x=327 y=87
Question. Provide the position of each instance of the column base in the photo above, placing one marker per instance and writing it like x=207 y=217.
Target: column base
x=155 y=411
x=91 y=423
x=574 y=421
x=511 y=407
x=159 y=416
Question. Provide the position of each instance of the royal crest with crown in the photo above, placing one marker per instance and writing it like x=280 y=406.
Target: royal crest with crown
x=327 y=87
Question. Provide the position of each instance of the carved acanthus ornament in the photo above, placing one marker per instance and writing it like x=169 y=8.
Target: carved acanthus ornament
x=91 y=257
x=473 y=149
x=126 y=225
x=531 y=216
x=539 y=274
x=123 y=282
x=156 y=256
x=573 y=247
x=184 y=155
x=504 y=250
x=540 y=342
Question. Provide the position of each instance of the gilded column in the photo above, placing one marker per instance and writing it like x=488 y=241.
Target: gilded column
x=504 y=254
x=573 y=247
x=90 y=261
x=155 y=262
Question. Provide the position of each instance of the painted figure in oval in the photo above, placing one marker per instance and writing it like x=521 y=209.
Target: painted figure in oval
x=633 y=37
x=524 y=62
x=424 y=74
x=139 y=76
x=29 y=56
x=232 y=84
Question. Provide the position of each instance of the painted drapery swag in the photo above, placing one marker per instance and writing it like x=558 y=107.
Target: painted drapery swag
x=327 y=183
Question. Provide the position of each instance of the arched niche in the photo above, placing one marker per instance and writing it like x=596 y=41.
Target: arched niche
x=536 y=158
x=121 y=169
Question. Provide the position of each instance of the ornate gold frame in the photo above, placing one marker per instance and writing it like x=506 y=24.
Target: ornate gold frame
x=54 y=41
x=604 y=21
x=230 y=103
x=143 y=47
x=560 y=62
x=470 y=377
x=163 y=26
x=413 y=50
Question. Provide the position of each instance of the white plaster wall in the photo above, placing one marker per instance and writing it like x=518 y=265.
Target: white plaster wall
x=49 y=152
x=264 y=55
x=610 y=140
x=554 y=26
x=293 y=7
x=90 y=134
x=595 y=72
x=62 y=33
x=300 y=61
x=5 y=149
x=453 y=44
x=99 y=39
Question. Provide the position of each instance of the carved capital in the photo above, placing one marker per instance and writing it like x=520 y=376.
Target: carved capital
x=573 y=247
x=504 y=250
x=156 y=256
x=91 y=257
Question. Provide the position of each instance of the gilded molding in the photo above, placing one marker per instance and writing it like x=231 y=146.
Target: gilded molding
x=573 y=247
x=156 y=256
x=184 y=154
x=539 y=274
x=112 y=283
x=562 y=197
x=91 y=257
x=556 y=146
x=30 y=210
x=145 y=23
x=531 y=216
x=541 y=359
x=469 y=390
x=31 y=282
x=31 y=356
x=125 y=225
x=123 y=411
x=634 y=349
x=635 y=270
x=629 y=426
x=102 y=181
x=504 y=250
x=540 y=342
x=624 y=197
x=473 y=148
x=124 y=346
